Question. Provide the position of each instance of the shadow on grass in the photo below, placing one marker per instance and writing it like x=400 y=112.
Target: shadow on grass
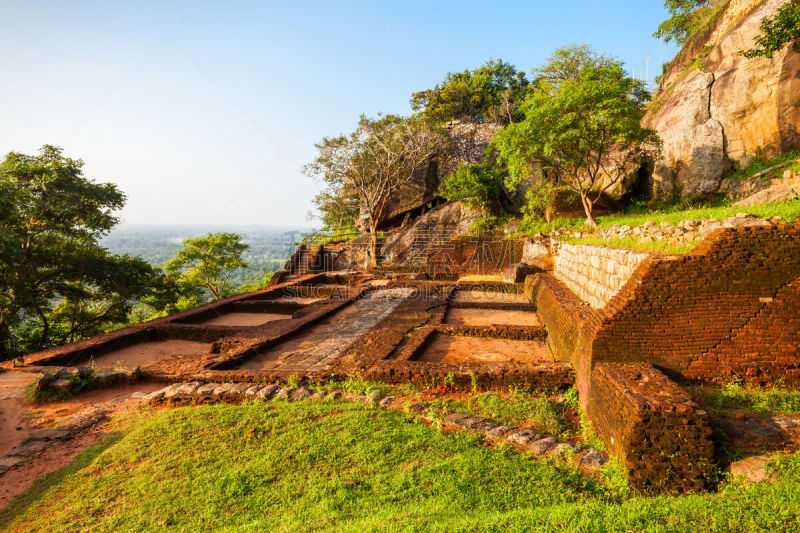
x=43 y=484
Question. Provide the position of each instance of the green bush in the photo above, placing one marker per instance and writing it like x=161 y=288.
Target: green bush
x=477 y=186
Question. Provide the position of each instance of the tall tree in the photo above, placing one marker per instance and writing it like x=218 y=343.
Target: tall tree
x=51 y=220
x=587 y=134
x=208 y=262
x=490 y=93
x=374 y=161
x=567 y=63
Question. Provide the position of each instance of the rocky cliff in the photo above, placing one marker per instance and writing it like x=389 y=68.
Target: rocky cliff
x=717 y=108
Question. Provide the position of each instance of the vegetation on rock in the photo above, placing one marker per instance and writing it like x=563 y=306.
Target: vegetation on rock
x=373 y=162
x=686 y=17
x=583 y=132
x=778 y=31
x=490 y=93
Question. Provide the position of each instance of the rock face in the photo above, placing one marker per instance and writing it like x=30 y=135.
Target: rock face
x=413 y=245
x=731 y=108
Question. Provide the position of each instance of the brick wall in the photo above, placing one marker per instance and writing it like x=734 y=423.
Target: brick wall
x=764 y=350
x=677 y=308
x=731 y=309
x=652 y=426
x=595 y=273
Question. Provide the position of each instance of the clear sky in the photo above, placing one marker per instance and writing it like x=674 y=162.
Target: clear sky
x=205 y=112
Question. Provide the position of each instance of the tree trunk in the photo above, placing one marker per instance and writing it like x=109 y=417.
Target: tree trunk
x=587 y=208
x=373 y=245
x=3 y=341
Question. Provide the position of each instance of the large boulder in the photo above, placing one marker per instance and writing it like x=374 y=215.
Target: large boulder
x=717 y=107
x=414 y=244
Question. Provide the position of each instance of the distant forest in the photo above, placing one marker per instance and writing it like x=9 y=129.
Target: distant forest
x=270 y=246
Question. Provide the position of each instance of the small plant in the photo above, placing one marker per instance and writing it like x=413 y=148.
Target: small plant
x=616 y=481
x=80 y=383
x=571 y=398
x=450 y=381
x=293 y=381
x=474 y=381
x=436 y=417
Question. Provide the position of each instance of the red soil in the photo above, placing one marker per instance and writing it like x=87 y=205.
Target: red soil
x=244 y=319
x=491 y=317
x=457 y=349
x=142 y=353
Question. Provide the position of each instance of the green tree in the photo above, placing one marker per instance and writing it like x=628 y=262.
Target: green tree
x=586 y=135
x=208 y=262
x=566 y=63
x=374 y=162
x=337 y=203
x=56 y=283
x=490 y=93
x=685 y=18
x=477 y=185
x=778 y=31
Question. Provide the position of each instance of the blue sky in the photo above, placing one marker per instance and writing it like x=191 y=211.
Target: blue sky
x=205 y=112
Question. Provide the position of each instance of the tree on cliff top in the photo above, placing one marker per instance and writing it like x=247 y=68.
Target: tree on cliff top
x=490 y=93
x=778 y=31
x=208 y=262
x=374 y=161
x=56 y=283
x=586 y=134
x=686 y=17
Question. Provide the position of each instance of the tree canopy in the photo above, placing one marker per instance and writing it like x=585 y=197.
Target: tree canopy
x=57 y=284
x=374 y=161
x=208 y=262
x=778 y=31
x=489 y=93
x=586 y=134
x=685 y=18
x=477 y=185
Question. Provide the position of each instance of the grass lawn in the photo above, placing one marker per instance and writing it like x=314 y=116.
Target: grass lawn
x=338 y=466
x=632 y=243
x=790 y=211
x=752 y=398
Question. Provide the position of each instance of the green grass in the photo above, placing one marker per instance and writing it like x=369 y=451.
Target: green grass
x=737 y=396
x=758 y=165
x=632 y=243
x=283 y=466
x=517 y=407
x=638 y=215
x=79 y=383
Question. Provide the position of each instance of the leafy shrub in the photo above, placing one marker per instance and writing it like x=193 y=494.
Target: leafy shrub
x=476 y=185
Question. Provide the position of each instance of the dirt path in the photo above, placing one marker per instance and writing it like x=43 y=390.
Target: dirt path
x=14 y=420
x=18 y=419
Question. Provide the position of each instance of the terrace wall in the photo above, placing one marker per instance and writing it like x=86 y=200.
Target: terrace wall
x=730 y=309
x=652 y=426
x=595 y=273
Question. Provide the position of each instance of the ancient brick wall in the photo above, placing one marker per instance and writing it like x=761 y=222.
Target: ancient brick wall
x=564 y=314
x=764 y=350
x=674 y=309
x=731 y=309
x=652 y=426
x=595 y=273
